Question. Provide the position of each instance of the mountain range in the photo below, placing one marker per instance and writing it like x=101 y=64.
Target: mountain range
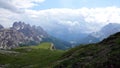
x=79 y=37
x=21 y=34
x=105 y=54
x=94 y=37
x=105 y=32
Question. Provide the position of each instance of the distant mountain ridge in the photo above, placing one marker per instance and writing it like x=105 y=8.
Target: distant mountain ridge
x=76 y=37
x=105 y=32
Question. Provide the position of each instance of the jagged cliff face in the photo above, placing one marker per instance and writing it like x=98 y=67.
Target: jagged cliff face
x=32 y=33
x=10 y=38
x=20 y=34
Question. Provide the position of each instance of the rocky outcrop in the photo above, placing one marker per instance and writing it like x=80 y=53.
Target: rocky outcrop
x=52 y=47
x=32 y=33
x=10 y=38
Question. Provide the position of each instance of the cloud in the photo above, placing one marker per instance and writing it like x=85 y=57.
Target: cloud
x=84 y=19
x=18 y=6
x=102 y=15
x=13 y=10
x=74 y=20
x=7 y=5
x=7 y=17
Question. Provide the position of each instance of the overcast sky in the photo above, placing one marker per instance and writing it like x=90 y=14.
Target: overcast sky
x=87 y=15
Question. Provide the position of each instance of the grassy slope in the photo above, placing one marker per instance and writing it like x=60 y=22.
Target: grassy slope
x=31 y=57
x=102 y=55
x=42 y=46
x=59 y=44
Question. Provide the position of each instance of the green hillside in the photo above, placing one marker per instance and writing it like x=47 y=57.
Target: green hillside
x=42 y=46
x=59 y=44
x=30 y=57
x=105 y=54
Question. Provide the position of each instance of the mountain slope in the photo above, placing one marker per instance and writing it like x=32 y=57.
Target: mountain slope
x=89 y=39
x=10 y=38
x=105 y=54
x=105 y=32
x=59 y=44
x=40 y=56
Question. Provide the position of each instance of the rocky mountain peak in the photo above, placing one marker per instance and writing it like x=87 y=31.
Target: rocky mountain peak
x=32 y=33
x=21 y=33
x=20 y=25
x=27 y=29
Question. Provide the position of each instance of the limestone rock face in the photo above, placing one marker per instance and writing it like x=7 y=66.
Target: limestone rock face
x=21 y=34
x=10 y=38
x=33 y=34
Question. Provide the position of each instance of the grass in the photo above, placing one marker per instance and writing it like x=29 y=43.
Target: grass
x=100 y=55
x=31 y=57
x=42 y=46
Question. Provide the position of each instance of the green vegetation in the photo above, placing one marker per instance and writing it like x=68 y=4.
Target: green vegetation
x=42 y=46
x=31 y=57
x=91 y=56
x=118 y=41
x=105 y=54
x=59 y=44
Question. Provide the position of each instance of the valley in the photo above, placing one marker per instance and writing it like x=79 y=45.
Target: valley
x=26 y=46
x=104 y=54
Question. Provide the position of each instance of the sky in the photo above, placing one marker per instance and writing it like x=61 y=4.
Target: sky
x=73 y=15
x=76 y=4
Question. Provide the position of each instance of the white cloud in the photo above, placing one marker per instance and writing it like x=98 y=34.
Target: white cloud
x=13 y=10
x=7 y=5
x=7 y=17
x=83 y=19
x=19 y=6
x=103 y=15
